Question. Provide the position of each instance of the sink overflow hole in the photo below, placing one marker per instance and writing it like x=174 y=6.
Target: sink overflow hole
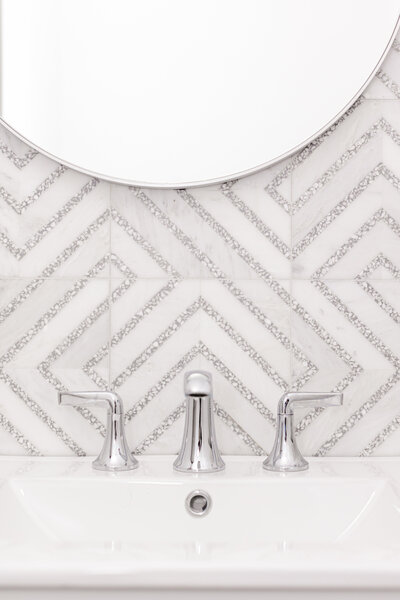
x=198 y=503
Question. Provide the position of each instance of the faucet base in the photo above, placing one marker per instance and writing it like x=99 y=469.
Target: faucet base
x=98 y=467
x=124 y=464
x=285 y=469
x=193 y=469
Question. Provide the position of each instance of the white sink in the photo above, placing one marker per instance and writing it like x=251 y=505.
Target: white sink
x=334 y=529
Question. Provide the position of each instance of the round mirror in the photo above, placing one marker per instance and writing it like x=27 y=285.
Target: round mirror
x=175 y=93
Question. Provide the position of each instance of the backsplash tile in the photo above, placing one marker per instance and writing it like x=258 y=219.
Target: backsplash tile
x=360 y=359
x=285 y=279
x=52 y=219
x=343 y=215
x=45 y=344
x=386 y=83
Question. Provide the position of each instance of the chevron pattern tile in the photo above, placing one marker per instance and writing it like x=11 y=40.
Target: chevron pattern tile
x=289 y=278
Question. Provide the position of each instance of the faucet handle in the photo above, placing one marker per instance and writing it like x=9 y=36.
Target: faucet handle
x=285 y=455
x=292 y=400
x=115 y=454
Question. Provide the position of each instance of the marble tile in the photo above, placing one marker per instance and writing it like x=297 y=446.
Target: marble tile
x=362 y=360
x=386 y=83
x=280 y=186
x=51 y=217
x=190 y=229
x=46 y=339
x=348 y=207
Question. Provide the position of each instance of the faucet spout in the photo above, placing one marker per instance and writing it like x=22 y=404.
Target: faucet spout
x=199 y=451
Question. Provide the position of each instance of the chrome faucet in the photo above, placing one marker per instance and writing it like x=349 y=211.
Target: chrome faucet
x=285 y=455
x=199 y=451
x=115 y=454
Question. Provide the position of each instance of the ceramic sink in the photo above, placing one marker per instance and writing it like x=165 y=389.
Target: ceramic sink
x=331 y=531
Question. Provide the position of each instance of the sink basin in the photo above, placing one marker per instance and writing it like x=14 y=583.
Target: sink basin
x=143 y=514
x=334 y=529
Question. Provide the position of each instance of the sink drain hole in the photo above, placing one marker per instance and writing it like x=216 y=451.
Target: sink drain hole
x=198 y=503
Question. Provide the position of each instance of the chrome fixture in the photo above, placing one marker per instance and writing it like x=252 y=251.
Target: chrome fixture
x=199 y=452
x=198 y=503
x=285 y=455
x=115 y=454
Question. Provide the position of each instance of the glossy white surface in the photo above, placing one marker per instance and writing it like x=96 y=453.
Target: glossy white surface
x=335 y=526
x=177 y=93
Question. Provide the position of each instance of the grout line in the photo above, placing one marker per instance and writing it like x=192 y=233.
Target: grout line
x=354 y=279
x=71 y=278
x=109 y=288
x=372 y=99
x=288 y=278
x=291 y=357
x=1 y=57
